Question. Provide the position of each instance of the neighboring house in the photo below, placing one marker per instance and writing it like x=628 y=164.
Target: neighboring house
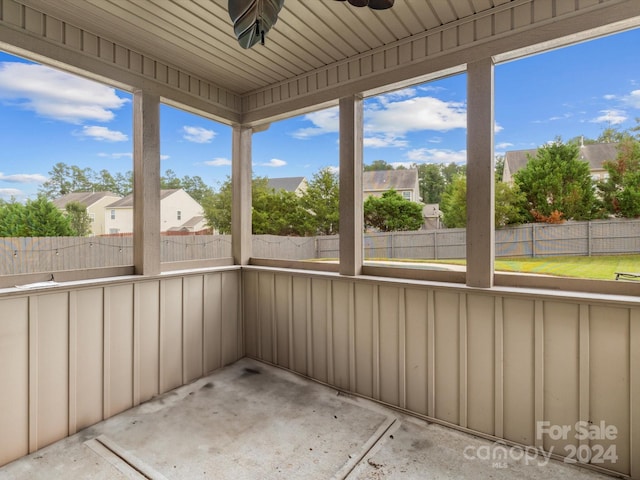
x=179 y=212
x=95 y=202
x=405 y=182
x=595 y=154
x=297 y=185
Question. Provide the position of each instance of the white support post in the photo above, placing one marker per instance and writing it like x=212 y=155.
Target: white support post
x=351 y=215
x=241 y=195
x=146 y=183
x=480 y=174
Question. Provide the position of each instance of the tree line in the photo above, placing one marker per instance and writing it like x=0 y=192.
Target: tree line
x=554 y=186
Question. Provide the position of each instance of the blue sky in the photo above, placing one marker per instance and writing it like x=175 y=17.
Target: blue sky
x=47 y=116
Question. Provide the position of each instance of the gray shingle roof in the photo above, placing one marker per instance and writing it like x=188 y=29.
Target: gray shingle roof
x=595 y=154
x=290 y=184
x=85 y=198
x=128 y=200
x=381 y=180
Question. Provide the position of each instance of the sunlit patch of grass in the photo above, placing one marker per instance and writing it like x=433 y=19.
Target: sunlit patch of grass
x=596 y=267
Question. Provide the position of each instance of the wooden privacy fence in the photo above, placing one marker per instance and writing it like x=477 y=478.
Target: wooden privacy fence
x=50 y=254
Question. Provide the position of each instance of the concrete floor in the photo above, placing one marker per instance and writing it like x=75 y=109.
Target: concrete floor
x=254 y=421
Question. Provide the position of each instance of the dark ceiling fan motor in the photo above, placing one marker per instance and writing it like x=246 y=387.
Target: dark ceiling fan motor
x=252 y=19
x=372 y=4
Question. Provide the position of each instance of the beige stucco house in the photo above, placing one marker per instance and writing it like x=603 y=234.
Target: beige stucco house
x=95 y=203
x=179 y=212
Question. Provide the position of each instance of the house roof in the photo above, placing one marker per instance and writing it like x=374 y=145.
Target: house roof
x=290 y=184
x=380 y=180
x=127 y=201
x=85 y=198
x=595 y=154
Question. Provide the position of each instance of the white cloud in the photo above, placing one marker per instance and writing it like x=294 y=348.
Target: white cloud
x=503 y=145
x=218 y=162
x=116 y=155
x=333 y=169
x=324 y=121
x=384 y=141
x=274 y=162
x=609 y=96
x=23 y=178
x=8 y=193
x=57 y=95
x=433 y=155
x=612 y=117
x=391 y=117
x=633 y=99
x=197 y=134
x=416 y=114
x=102 y=134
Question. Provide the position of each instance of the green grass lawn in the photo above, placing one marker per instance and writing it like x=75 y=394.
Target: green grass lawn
x=596 y=267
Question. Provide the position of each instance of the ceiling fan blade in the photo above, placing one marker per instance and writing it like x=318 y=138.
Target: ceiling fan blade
x=380 y=4
x=252 y=19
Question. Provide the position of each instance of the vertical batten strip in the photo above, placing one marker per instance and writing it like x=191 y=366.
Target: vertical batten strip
x=161 y=334
x=431 y=354
x=309 y=318
x=584 y=407
x=106 y=337
x=329 y=309
x=73 y=362
x=375 y=328
x=352 y=337
x=462 y=352
x=183 y=330
x=499 y=369
x=290 y=320
x=33 y=373
x=538 y=362
x=402 y=347
x=634 y=401
x=274 y=323
x=136 y=344
x=258 y=318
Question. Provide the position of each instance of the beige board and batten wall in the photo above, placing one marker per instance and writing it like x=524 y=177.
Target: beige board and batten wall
x=73 y=356
x=493 y=362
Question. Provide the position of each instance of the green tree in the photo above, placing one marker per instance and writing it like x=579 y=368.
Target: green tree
x=59 y=182
x=321 y=200
x=279 y=212
x=169 y=180
x=556 y=180
x=196 y=187
x=620 y=192
x=391 y=212
x=508 y=207
x=454 y=203
x=79 y=219
x=12 y=219
x=43 y=219
x=217 y=208
x=431 y=182
x=378 y=165
x=509 y=202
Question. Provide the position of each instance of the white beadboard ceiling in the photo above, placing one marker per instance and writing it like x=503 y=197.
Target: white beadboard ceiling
x=317 y=51
x=196 y=36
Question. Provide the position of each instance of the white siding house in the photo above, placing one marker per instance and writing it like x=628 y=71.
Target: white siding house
x=178 y=212
x=95 y=203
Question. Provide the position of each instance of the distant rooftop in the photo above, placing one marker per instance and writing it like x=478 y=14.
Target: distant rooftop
x=387 y=179
x=289 y=184
x=85 y=198
x=128 y=200
x=596 y=154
